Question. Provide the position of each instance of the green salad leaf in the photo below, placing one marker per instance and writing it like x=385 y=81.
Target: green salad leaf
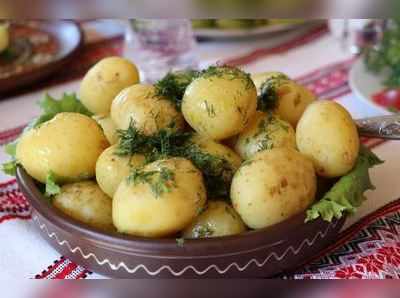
x=52 y=188
x=348 y=193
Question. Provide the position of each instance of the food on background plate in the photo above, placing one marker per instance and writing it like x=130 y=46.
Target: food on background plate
x=265 y=131
x=159 y=200
x=229 y=24
x=217 y=219
x=85 y=202
x=220 y=102
x=328 y=135
x=190 y=156
x=4 y=36
x=104 y=81
x=272 y=186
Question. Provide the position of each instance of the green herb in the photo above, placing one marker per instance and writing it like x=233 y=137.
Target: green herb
x=228 y=72
x=180 y=241
x=52 y=187
x=386 y=55
x=10 y=168
x=210 y=109
x=174 y=84
x=203 y=231
x=348 y=193
x=160 y=182
x=269 y=96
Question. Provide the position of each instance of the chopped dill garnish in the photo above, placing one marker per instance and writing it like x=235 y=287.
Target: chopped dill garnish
x=229 y=72
x=173 y=85
x=210 y=109
x=160 y=182
x=268 y=97
x=203 y=231
x=180 y=241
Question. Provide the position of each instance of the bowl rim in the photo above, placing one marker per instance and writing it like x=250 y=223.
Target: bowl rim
x=247 y=242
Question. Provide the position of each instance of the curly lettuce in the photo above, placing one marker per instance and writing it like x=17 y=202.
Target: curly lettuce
x=348 y=193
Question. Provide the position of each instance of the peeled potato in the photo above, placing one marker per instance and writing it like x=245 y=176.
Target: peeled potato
x=109 y=129
x=272 y=186
x=104 y=81
x=148 y=112
x=293 y=99
x=218 y=219
x=68 y=146
x=85 y=202
x=162 y=199
x=265 y=131
x=111 y=169
x=220 y=103
x=327 y=134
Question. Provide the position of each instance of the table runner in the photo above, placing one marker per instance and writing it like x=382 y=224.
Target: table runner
x=369 y=249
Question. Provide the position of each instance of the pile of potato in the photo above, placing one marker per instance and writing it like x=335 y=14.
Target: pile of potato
x=274 y=154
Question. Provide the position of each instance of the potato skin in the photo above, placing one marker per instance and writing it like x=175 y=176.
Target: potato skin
x=219 y=107
x=273 y=186
x=85 y=202
x=111 y=169
x=150 y=113
x=327 y=134
x=218 y=219
x=265 y=131
x=138 y=211
x=109 y=129
x=104 y=81
x=260 y=78
x=293 y=99
x=68 y=145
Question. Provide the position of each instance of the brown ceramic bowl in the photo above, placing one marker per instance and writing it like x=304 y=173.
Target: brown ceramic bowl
x=261 y=253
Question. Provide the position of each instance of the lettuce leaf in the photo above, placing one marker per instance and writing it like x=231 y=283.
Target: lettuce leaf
x=50 y=107
x=52 y=188
x=348 y=193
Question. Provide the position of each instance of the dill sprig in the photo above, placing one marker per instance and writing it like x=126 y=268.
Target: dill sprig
x=173 y=85
x=229 y=72
x=160 y=181
x=269 y=96
x=203 y=231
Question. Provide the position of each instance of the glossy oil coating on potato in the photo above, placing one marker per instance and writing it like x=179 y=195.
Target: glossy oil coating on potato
x=85 y=202
x=111 y=169
x=159 y=200
x=148 y=112
x=104 y=81
x=293 y=99
x=220 y=103
x=327 y=134
x=109 y=128
x=272 y=186
x=218 y=219
x=68 y=146
x=265 y=131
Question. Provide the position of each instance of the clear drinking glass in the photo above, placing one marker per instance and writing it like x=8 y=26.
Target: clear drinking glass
x=160 y=45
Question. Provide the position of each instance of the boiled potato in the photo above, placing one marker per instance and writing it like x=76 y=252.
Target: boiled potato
x=293 y=99
x=4 y=37
x=104 y=81
x=265 y=131
x=218 y=219
x=111 y=169
x=68 y=146
x=260 y=78
x=147 y=111
x=272 y=186
x=85 y=202
x=160 y=200
x=109 y=129
x=327 y=134
x=220 y=103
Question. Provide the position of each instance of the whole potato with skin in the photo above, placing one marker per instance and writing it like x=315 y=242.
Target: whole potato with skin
x=218 y=219
x=272 y=186
x=161 y=200
x=104 y=81
x=220 y=103
x=85 y=202
x=149 y=112
x=265 y=131
x=327 y=134
x=111 y=169
x=68 y=145
x=109 y=129
x=293 y=99
x=260 y=78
